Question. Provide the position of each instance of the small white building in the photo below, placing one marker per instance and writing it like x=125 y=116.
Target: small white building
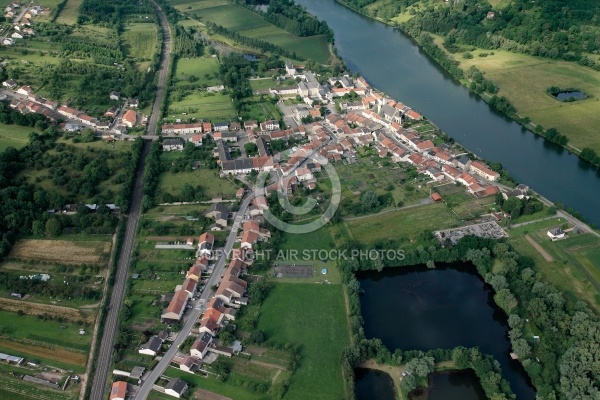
x=556 y=234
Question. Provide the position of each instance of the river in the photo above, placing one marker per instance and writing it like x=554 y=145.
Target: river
x=393 y=63
x=415 y=308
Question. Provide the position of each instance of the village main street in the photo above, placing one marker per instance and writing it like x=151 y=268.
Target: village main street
x=192 y=318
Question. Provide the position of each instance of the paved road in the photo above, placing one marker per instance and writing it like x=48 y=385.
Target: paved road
x=111 y=325
x=193 y=316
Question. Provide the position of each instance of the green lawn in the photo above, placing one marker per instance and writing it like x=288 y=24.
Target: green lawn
x=208 y=179
x=26 y=327
x=314 y=318
x=139 y=41
x=69 y=13
x=203 y=105
x=14 y=136
x=574 y=268
x=204 y=71
x=524 y=79
x=214 y=385
x=402 y=225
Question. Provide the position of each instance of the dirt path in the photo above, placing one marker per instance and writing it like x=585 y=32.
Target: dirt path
x=540 y=249
x=268 y=365
x=275 y=377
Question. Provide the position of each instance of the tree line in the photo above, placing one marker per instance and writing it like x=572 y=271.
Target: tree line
x=252 y=42
x=290 y=17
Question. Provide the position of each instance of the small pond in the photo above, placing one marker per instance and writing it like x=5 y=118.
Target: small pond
x=373 y=385
x=450 y=385
x=570 y=95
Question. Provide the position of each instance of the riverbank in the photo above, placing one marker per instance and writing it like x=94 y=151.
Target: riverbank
x=498 y=103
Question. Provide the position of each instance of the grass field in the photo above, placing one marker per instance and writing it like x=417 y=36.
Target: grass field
x=524 y=79
x=214 y=385
x=69 y=13
x=210 y=181
x=202 y=105
x=205 y=70
x=14 y=136
x=61 y=251
x=139 y=41
x=14 y=388
x=313 y=317
x=247 y=23
x=574 y=269
x=402 y=225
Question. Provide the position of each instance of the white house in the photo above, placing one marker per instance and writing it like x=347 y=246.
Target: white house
x=151 y=347
x=173 y=144
x=176 y=387
x=200 y=346
x=556 y=234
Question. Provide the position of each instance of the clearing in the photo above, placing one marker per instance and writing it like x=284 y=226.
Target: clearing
x=69 y=13
x=61 y=251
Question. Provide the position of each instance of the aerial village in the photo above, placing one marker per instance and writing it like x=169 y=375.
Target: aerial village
x=22 y=17
x=373 y=119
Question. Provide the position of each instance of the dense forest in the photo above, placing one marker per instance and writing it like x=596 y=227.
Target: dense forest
x=111 y=13
x=560 y=29
x=289 y=16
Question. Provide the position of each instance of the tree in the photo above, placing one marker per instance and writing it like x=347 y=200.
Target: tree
x=53 y=227
x=369 y=200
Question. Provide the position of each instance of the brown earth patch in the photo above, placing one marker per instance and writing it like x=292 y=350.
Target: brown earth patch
x=51 y=353
x=540 y=249
x=203 y=394
x=72 y=314
x=60 y=251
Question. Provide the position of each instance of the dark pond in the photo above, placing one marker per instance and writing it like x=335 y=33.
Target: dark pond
x=373 y=385
x=570 y=96
x=454 y=385
x=416 y=308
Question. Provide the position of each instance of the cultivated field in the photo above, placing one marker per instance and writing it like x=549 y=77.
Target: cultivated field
x=524 y=79
x=247 y=23
x=139 y=41
x=61 y=251
x=69 y=13
x=70 y=314
x=313 y=317
x=406 y=225
x=48 y=354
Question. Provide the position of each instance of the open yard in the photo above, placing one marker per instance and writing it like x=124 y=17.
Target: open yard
x=575 y=260
x=139 y=41
x=208 y=179
x=314 y=318
x=198 y=71
x=404 y=226
x=69 y=314
x=13 y=388
x=69 y=13
x=524 y=79
x=247 y=23
x=213 y=107
x=14 y=135
x=61 y=251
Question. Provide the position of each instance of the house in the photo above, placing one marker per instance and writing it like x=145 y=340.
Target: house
x=252 y=124
x=556 y=234
x=221 y=126
x=482 y=170
x=173 y=144
x=189 y=364
x=25 y=90
x=249 y=239
x=211 y=325
x=194 y=272
x=151 y=347
x=8 y=42
x=17 y=35
x=270 y=125
x=289 y=68
x=118 y=390
x=134 y=103
x=463 y=162
x=189 y=286
x=200 y=346
x=490 y=15
x=176 y=307
x=10 y=84
x=130 y=119
x=176 y=387
x=205 y=244
x=115 y=96
x=436 y=197
x=303 y=174
x=219 y=213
